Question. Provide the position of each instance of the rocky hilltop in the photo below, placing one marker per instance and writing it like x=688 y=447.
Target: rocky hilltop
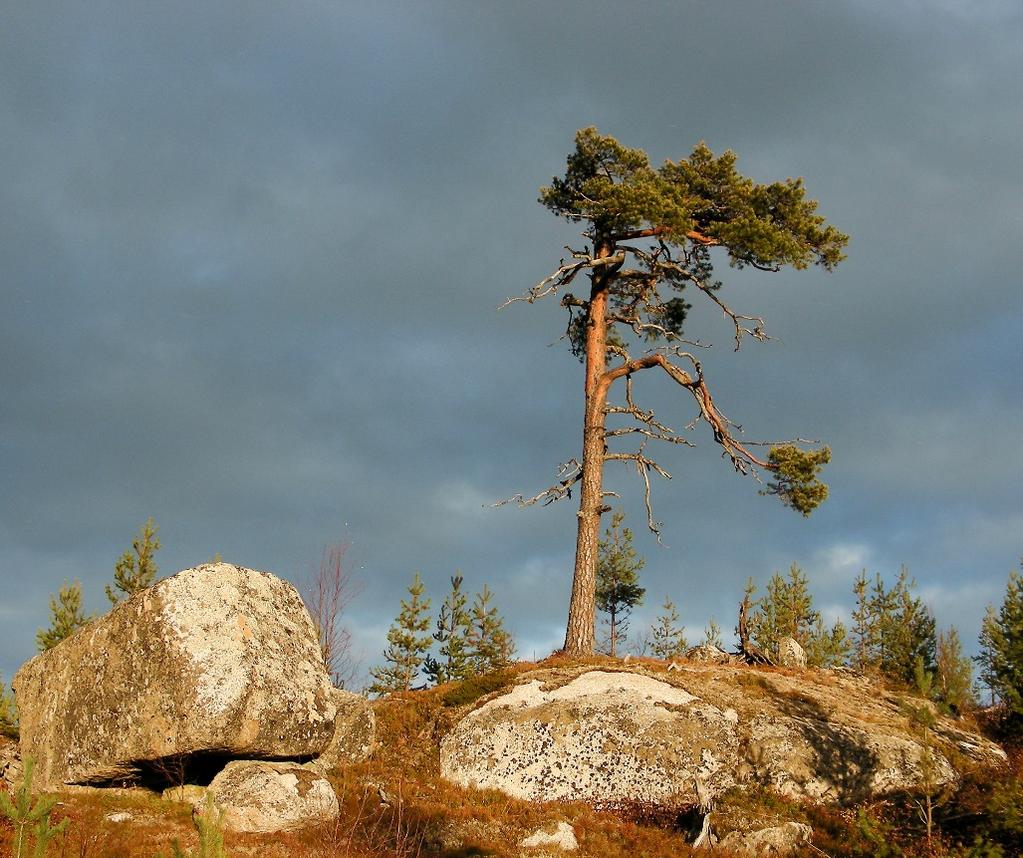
x=646 y=733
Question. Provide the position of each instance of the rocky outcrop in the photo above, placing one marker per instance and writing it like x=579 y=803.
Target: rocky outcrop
x=651 y=735
x=792 y=838
x=258 y=796
x=216 y=660
x=600 y=737
x=354 y=732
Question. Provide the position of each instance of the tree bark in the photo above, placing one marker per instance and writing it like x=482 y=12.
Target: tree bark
x=579 y=635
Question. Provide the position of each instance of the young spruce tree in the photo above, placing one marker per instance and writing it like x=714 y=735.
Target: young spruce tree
x=490 y=645
x=453 y=628
x=66 y=617
x=406 y=644
x=667 y=638
x=618 y=590
x=136 y=569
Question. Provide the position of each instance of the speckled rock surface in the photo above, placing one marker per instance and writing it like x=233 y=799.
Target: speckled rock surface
x=259 y=796
x=648 y=734
x=791 y=654
x=10 y=763
x=354 y=732
x=792 y=838
x=214 y=659
x=601 y=737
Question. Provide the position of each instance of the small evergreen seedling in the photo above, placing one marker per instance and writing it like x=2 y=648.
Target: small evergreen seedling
x=210 y=825
x=29 y=819
x=136 y=571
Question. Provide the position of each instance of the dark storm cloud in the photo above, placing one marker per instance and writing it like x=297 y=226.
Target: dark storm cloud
x=252 y=255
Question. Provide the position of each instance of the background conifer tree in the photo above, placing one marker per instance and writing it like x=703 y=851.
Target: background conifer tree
x=453 y=627
x=406 y=644
x=786 y=610
x=667 y=638
x=136 y=568
x=712 y=635
x=905 y=630
x=490 y=645
x=864 y=630
x=66 y=616
x=953 y=673
x=618 y=590
x=1001 y=650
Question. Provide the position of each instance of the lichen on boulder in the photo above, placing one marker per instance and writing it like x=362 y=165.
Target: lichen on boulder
x=216 y=660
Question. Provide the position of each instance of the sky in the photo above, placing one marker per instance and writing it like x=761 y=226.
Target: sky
x=252 y=256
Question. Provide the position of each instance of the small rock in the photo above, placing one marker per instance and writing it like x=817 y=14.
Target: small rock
x=562 y=837
x=782 y=840
x=791 y=654
x=708 y=654
x=119 y=816
x=258 y=796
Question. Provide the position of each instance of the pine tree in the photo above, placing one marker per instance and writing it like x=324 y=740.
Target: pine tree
x=864 y=631
x=899 y=631
x=785 y=611
x=649 y=234
x=1001 y=649
x=953 y=674
x=827 y=647
x=136 y=568
x=407 y=645
x=668 y=639
x=453 y=627
x=490 y=646
x=66 y=617
x=618 y=590
x=712 y=635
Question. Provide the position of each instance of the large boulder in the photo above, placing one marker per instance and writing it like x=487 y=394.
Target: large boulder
x=601 y=737
x=260 y=796
x=354 y=732
x=683 y=736
x=216 y=661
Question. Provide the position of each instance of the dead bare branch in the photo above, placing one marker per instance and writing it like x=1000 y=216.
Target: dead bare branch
x=644 y=465
x=570 y=473
x=562 y=276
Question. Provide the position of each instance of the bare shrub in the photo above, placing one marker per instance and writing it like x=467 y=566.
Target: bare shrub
x=329 y=592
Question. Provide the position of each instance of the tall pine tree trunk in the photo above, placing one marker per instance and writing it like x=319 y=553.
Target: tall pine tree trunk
x=579 y=636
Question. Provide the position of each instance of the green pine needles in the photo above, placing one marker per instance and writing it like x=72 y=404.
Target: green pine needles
x=472 y=640
x=618 y=590
x=407 y=645
x=136 y=569
x=66 y=617
x=1001 y=650
x=210 y=825
x=667 y=637
x=31 y=821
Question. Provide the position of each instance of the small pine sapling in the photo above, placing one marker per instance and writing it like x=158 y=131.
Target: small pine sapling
x=618 y=590
x=136 y=569
x=490 y=645
x=712 y=635
x=210 y=825
x=406 y=644
x=66 y=617
x=28 y=819
x=667 y=638
x=453 y=630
